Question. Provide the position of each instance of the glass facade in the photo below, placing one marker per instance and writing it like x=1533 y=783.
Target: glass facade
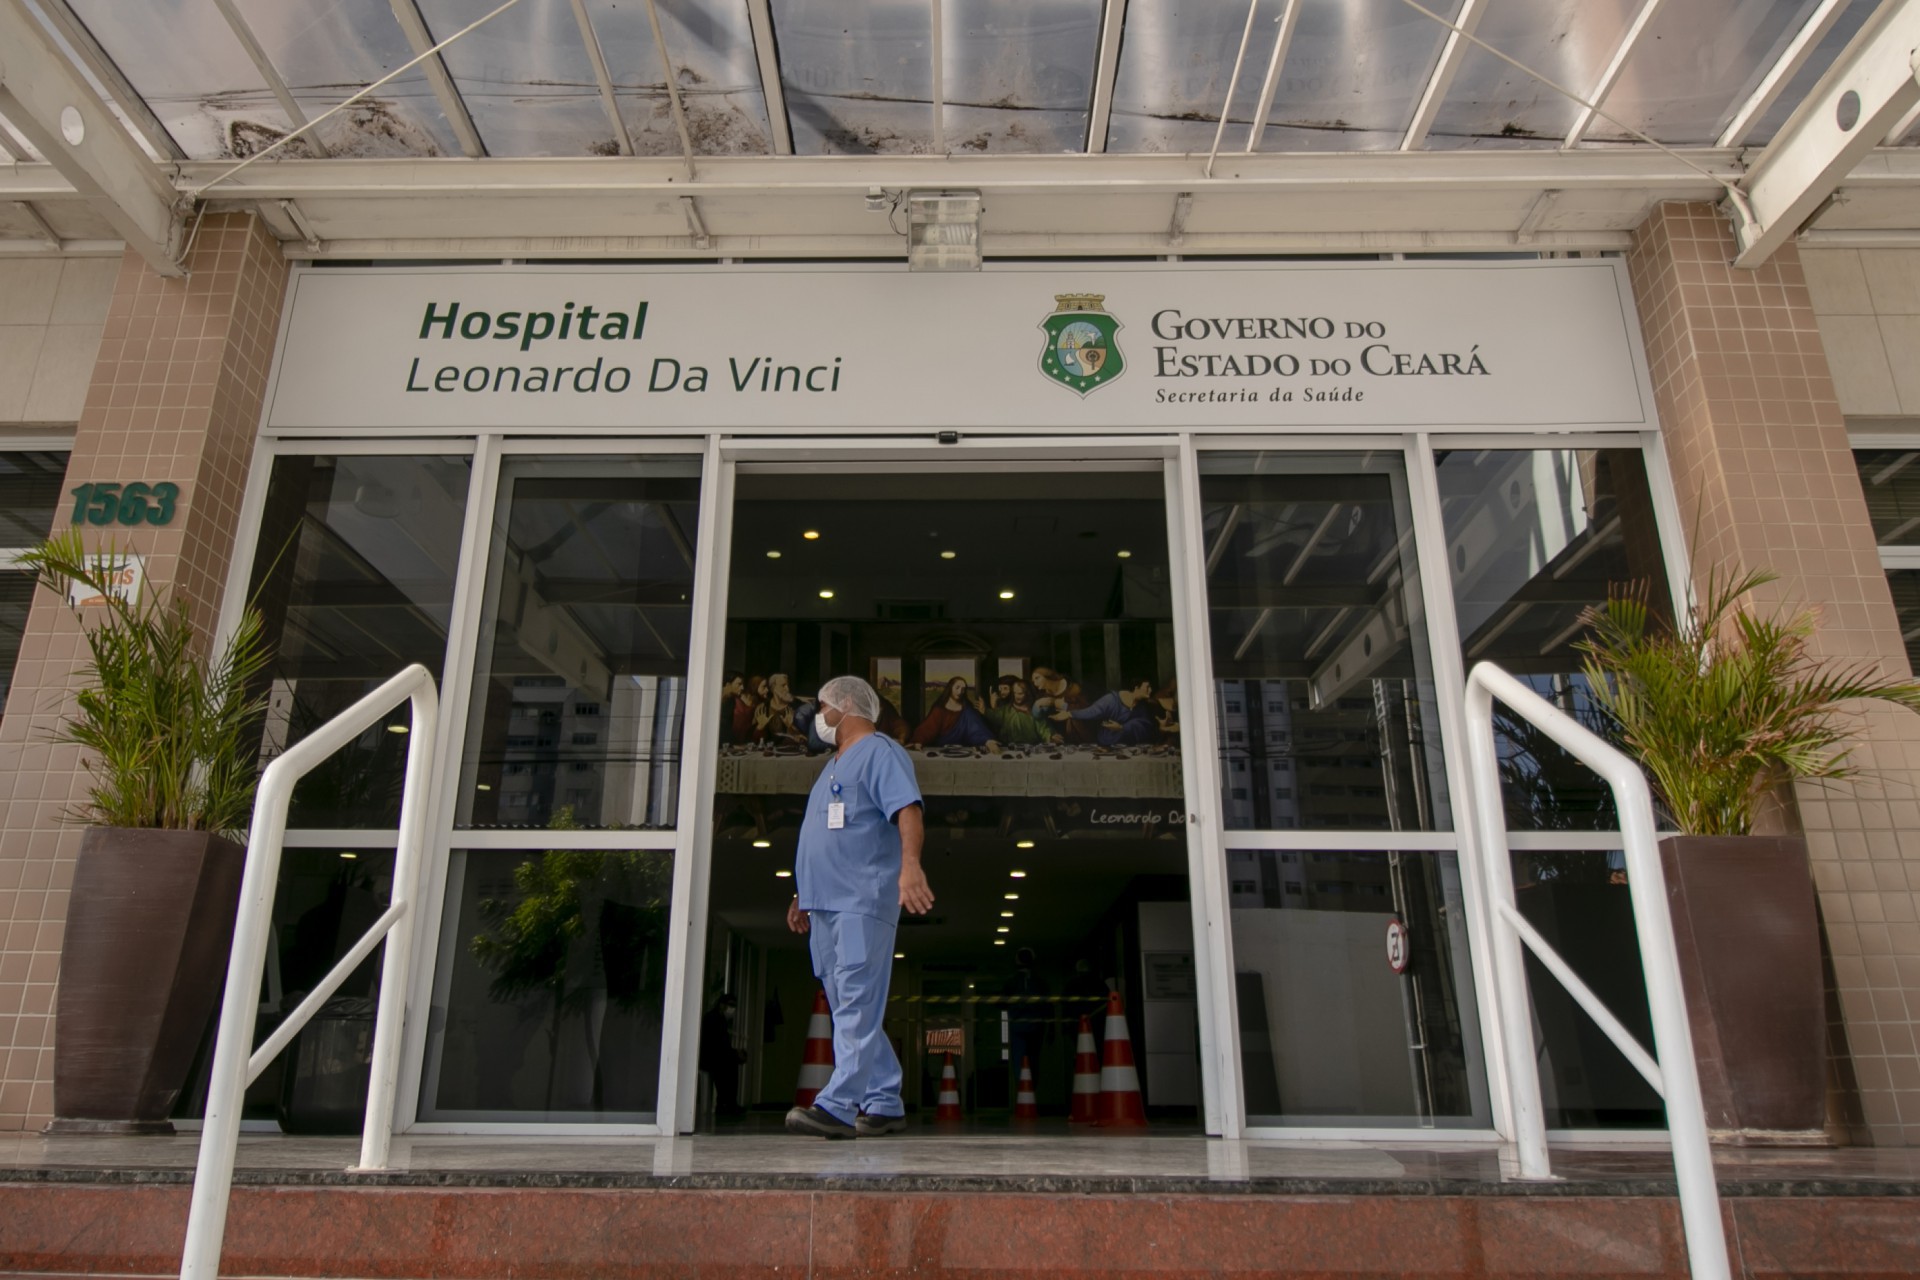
x=353 y=573
x=1022 y=624
x=30 y=501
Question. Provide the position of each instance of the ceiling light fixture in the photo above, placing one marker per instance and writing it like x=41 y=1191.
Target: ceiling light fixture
x=1124 y=555
x=826 y=593
x=348 y=856
x=1018 y=875
x=483 y=787
x=1023 y=844
x=1006 y=595
x=943 y=230
x=948 y=555
x=1001 y=942
x=783 y=875
x=1006 y=915
x=763 y=844
x=1011 y=897
x=773 y=555
x=811 y=535
x=1003 y=929
x=398 y=728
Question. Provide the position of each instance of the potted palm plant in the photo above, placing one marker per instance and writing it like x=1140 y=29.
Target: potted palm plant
x=170 y=737
x=1723 y=710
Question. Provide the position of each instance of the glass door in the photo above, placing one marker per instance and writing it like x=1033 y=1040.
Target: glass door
x=1338 y=826
x=549 y=996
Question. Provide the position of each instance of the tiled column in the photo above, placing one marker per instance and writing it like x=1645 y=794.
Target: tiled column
x=176 y=395
x=1766 y=480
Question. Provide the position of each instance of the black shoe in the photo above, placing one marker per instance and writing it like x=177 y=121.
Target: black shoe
x=815 y=1123
x=879 y=1126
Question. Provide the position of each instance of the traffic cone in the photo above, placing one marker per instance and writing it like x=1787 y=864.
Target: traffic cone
x=1025 y=1105
x=948 y=1112
x=816 y=1063
x=1086 y=1077
x=1120 y=1103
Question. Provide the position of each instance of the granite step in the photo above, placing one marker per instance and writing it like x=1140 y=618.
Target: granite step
x=95 y=1223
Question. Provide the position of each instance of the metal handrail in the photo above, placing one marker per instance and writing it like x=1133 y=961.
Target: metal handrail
x=1672 y=1070
x=234 y=1068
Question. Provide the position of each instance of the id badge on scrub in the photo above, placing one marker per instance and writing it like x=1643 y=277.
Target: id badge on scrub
x=836 y=815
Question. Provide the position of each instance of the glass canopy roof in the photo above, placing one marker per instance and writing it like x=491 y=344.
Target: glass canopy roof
x=859 y=77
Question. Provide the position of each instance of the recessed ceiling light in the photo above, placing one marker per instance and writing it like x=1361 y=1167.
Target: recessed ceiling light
x=1018 y=875
x=397 y=728
x=348 y=856
x=1006 y=915
x=773 y=555
x=783 y=875
x=1001 y=942
x=1003 y=929
x=811 y=535
x=1023 y=844
x=1006 y=595
x=899 y=955
x=948 y=555
x=1011 y=897
x=1124 y=555
x=482 y=787
x=763 y=844
x=826 y=593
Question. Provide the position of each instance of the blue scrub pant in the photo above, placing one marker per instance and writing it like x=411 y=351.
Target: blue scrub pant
x=853 y=958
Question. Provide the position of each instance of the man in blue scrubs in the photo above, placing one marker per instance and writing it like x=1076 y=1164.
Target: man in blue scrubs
x=858 y=864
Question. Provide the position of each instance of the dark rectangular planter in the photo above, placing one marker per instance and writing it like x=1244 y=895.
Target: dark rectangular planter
x=149 y=926
x=1748 y=936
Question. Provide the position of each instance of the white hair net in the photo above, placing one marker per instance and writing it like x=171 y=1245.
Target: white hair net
x=852 y=695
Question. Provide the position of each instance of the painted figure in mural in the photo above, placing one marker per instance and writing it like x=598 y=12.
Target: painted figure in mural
x=954 y=721
x=1124 y=716
x=1013 y=718
x=752 y=697
x=856 y=868
x=733 y=708
x=1053 y=694
x=777 y=719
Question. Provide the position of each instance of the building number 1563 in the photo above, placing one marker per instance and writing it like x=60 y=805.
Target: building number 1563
x=136 y=503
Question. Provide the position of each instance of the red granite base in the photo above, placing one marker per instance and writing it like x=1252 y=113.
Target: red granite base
x=502 y=1233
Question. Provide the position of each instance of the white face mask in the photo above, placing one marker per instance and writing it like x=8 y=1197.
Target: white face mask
x=824 y=731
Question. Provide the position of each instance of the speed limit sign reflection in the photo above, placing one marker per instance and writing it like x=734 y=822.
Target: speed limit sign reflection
x=1399 y=947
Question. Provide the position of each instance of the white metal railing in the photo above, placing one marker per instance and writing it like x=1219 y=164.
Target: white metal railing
x=233 y=1067
x=1673 y=1074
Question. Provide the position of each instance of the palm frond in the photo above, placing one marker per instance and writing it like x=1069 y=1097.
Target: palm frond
x=1728 y=705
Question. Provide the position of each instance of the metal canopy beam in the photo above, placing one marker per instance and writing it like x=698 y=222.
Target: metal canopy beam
x=767 y=54
x=1782 y=72
x=1282 y=42
x=1611 y=76
x=452 y=105
x=1869 y=89
x=268 y=72
x=108 y=73
x=47 y=99
x=1452 y=55
x=1105 y=72
x=598 y=57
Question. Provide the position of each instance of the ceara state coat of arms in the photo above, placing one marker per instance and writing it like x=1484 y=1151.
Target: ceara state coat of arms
x=1081 y=351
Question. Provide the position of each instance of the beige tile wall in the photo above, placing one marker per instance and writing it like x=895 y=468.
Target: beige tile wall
x=1868 y=304
x=51 y=313
x=175 y=395
x=1758 y=445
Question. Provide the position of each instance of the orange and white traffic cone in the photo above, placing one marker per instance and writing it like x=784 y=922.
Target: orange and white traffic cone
x=1120 y=1103
x=948 y=1110
x=1025 y=1105
x=1086 y=1077
x=816 y=1063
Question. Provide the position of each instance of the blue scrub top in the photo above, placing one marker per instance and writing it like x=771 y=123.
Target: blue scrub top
x=857 y=868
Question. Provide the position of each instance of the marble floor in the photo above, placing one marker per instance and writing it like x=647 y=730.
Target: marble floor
x=926 y=1155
